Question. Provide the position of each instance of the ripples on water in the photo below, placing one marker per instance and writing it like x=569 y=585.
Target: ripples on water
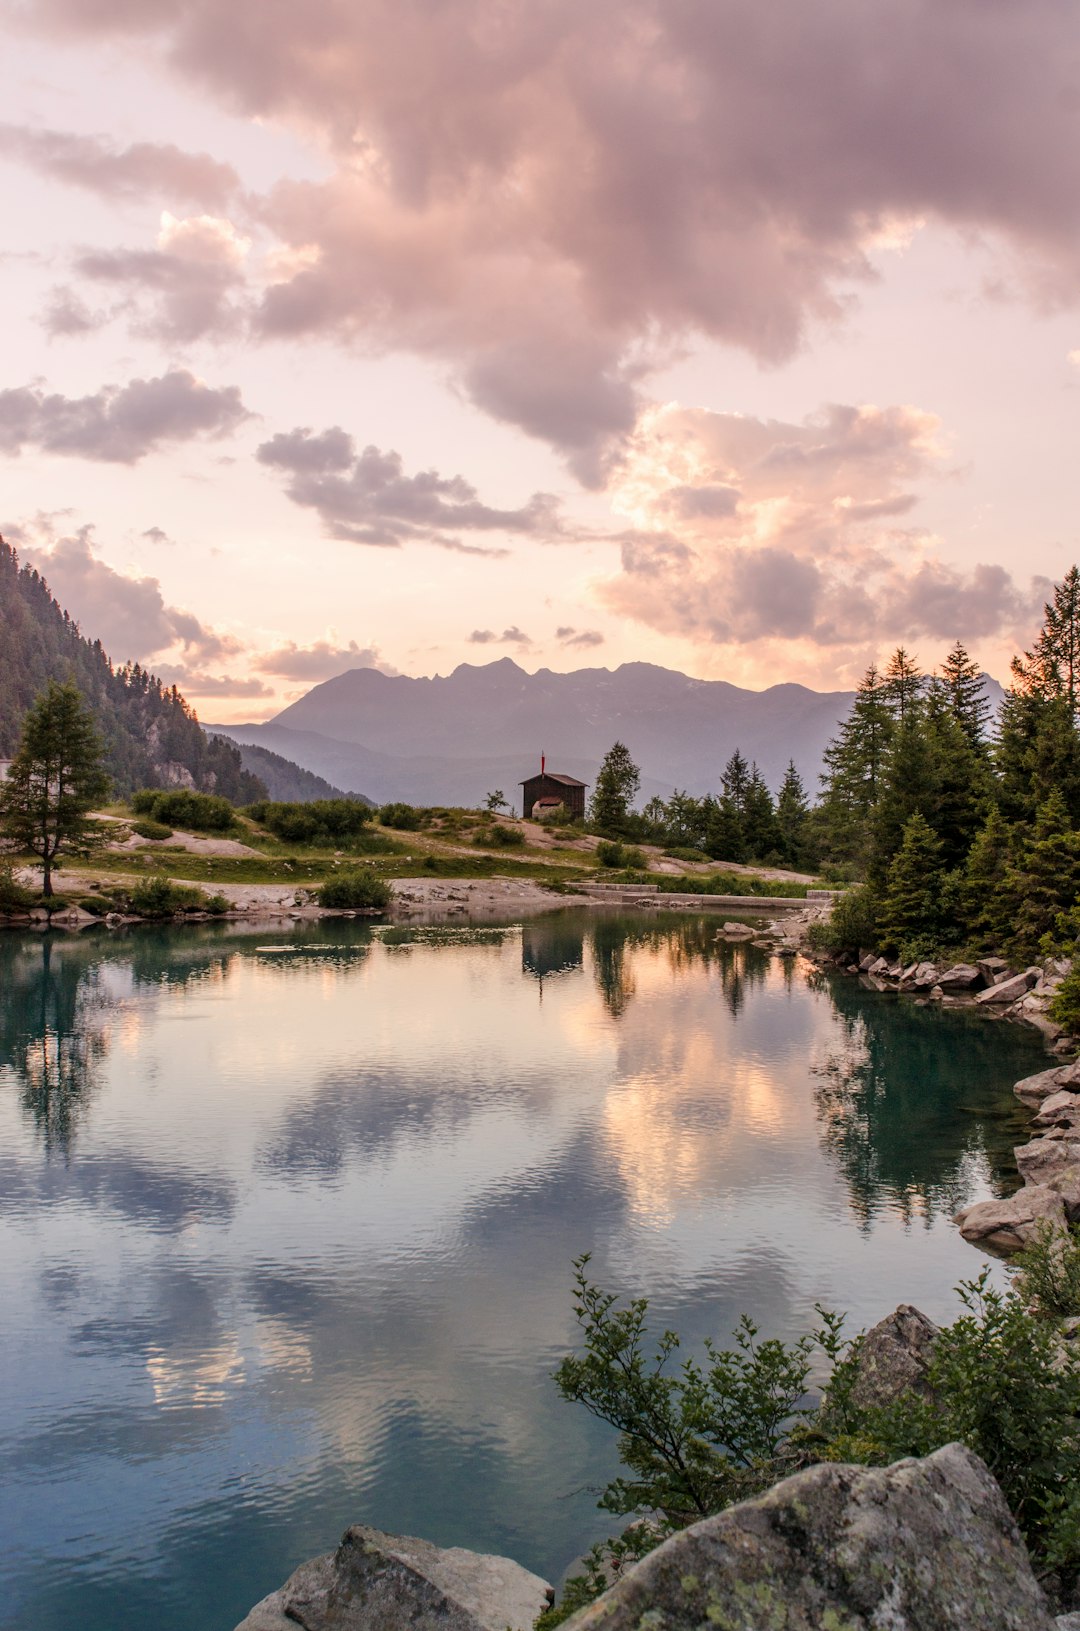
x=286 y=1224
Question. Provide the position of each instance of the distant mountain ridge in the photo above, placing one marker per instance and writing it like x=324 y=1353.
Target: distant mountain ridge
x=454 y=738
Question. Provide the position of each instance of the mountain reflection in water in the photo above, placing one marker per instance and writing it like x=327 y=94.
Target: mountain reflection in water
x=287 y=1218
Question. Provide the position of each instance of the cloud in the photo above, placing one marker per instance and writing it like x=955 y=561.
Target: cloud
x=157 y=535
x=365 y=497
x=579 y=637
x=119 y=424
x=320 y=661
x=128 y=615
x=189 y=286
x=805 y=545
x=549 y=198
x=509 y=637
x=67 y=316
x=194 y=683
x=141 y=170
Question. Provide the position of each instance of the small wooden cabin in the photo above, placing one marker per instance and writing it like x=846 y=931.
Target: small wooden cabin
x=543 y=793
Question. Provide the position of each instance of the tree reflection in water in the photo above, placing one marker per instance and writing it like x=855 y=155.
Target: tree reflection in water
x=911 y=1103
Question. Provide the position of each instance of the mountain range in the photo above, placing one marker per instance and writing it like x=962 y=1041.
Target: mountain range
x=453 y=739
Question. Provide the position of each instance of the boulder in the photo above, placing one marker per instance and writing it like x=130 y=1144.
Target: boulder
x=992 y=969
x=1009 y=1225
x=377 y=1582
x=894 y=1357
x=1067 y=1622
x=879 y=966
x=866 y=963
x=961 y=977
x=1061 y=1109
x=919 y=1546
x=926 y=975
x=1035 y=1089
x=1047 y=1160
x=738 y=931
x=1010 y=990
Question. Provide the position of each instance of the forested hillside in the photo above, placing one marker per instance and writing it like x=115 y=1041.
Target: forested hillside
x=152 y=738
x=286 y=782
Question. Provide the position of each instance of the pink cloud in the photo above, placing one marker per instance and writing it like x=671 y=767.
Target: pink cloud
x=548 y=197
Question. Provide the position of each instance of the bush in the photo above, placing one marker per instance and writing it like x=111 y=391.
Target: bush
x=351 y=891
x=697 y=1436
x=13 y=897
x=683 y=852
x=326 y=821
x=501 y=837
x=1065 y=1008
x=160 y=897
x=155 y=830
x=852 y=924
x=402 y=816
x=1048 y=1273
x=96 y=905
x=610 y=854
x=180 y=807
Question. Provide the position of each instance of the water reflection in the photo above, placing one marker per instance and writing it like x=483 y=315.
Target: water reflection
x=287 y=1213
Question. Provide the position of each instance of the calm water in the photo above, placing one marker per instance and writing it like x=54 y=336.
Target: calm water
x=286 y=1224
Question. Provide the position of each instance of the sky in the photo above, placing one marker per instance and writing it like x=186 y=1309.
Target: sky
x=739 y=338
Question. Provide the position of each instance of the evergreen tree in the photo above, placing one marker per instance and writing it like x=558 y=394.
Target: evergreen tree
x=963 y=684
x=736 y=781
x=617 y=783
x=904 y=682
x=55 y=779
x=854 y=765
x=725 y=839
x=1052 y=667
x=760 y=827
x=981 y=892
x=1044 y=881
x=792 y=816
x=1036 y=754
x=910 y=920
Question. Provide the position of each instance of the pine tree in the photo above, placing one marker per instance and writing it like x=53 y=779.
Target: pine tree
x=910 y=918
x=904 y=683
x=725 y=839
x=792 y=816
x=1036 y=754
x=760 y=827
x=1052 y=667
x=736 y=781
x=617 y=783
x=854 y=764
x=1044 y=881
x=55 y=779
x=963 y=683
x=980 y=896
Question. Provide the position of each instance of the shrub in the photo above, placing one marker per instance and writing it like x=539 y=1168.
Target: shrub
x=155 y=830
x=851 y=925
x=1048 y=1273
x=96 y=905
x=350 y=891
x=697 y=1436
x=1065 y=1008
x=501 y=837
x=609 y=853
x=160 y=897
x=402 y=816
x=180 y=807
x=683 y=852
x=317 y=821
x=634 y=859
x=13 y=897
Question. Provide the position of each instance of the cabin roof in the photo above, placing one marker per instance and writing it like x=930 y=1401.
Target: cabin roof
x=552 y=776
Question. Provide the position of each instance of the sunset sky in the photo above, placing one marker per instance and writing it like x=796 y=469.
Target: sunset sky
x=739 y=337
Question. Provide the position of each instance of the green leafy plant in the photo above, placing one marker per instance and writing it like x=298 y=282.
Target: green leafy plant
x=501 y=837
x=160 y=898
x=13 y=897
x=610 y=854
x=402 y=816
x=180 y=807
x=156 y=831
x=355 y=891
x=1065 y=1007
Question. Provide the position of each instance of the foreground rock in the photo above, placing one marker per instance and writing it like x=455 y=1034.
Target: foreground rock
x=1009 y=1225
x=918 y=1546
x=894 y=1358
x=377 y=1582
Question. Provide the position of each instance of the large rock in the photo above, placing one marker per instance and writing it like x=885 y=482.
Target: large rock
x=1010 y=990
x=961 y=977
x=1035 y=1089
x=1045 y=1158
x=993 y=969
x=894 y=1357
x=1010 y=1225
x=926 y=975
x=918 y=1546
x=377 y=1582
x=1061 y=1109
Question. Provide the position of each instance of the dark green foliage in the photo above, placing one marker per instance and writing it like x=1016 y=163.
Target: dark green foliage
x=160 y=898
x=1043 y=882
x=180 y=807
x=283 y=780
x=1052 y=668
x=982 y=907
x=55 y=779
x=852 y=926
x=722 y=883
x=502 y=837
x=1048 y=1273
x=1065 y=1008
x=792 y=818
x=964 y=689
x=361 y=890
x=96 y=905
x=155 y=831
x=679 y=853
x=401 y=816
x=911 y=919
x=322 y=821
x=617 y=783
x=699 y=1434
x=610 y=854
x=144 y=725
x=13 y=897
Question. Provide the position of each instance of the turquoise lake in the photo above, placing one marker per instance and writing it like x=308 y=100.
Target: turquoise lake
x=287 y=1219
